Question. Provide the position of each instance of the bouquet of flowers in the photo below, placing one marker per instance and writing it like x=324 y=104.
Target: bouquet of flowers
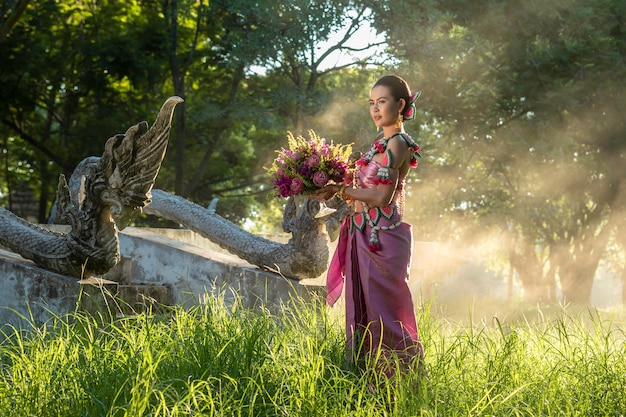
x=308 y=165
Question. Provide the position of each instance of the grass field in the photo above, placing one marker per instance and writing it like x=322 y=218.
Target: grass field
x=219 y=360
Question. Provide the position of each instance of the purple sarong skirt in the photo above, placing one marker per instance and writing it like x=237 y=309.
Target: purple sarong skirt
x=380 y=315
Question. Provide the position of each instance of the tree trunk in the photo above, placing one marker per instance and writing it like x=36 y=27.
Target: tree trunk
x=624 y=284
x=180 y=139
x=12 y=18
x=238 y=77
x=551 y=279
x=577 y=270
x=178 y=78
x=621 y=238
x=529 y=270
x=577 y=286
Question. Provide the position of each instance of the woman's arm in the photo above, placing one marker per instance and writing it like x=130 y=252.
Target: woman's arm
x=382 y=194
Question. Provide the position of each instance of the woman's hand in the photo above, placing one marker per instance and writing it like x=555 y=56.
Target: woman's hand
x=325 y=193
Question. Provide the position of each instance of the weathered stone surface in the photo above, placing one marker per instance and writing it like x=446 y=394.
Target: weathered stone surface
x=110 y=300
x=29 y=293
x=156 y=264
x=103 y=196
x=195 y=269
x=304 y=256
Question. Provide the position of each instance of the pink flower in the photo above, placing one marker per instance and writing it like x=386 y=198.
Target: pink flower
x=325 y=151
x=320 y=178
x=296 y=186
x=308 y=165
x=313 y=161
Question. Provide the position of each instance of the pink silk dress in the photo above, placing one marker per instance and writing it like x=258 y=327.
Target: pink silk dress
x=380 y=316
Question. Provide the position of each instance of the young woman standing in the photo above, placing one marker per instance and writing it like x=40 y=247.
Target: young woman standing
x=373 y=254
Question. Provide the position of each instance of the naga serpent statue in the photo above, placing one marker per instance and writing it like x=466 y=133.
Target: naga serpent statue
x=105 y=194
x=110 y=192
x=304 y=256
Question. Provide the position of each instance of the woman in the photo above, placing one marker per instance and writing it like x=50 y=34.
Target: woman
x=373 y=254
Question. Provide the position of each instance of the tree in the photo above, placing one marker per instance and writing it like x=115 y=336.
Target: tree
x=530 y=102
x=9 y=16
x=71 y=71
x=240 y=116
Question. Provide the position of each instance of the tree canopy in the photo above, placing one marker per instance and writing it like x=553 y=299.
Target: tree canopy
x=525 y=127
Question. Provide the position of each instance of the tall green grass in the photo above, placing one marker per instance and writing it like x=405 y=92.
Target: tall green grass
x=223 y=360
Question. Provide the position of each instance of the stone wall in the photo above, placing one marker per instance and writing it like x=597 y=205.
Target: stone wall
x=159 y=266
x=32 y=294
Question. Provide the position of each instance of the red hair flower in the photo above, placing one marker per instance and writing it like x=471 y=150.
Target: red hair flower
x=409 y=113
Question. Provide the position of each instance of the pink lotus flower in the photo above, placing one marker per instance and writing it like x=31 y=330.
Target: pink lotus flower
x=320 y=178
x=296 y=186
x=313 y=161
x=308 y=165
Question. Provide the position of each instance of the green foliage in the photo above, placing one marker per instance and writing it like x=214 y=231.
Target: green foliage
x=234 y=117
x=219 y=359
x=75 y=74
x=522 y=130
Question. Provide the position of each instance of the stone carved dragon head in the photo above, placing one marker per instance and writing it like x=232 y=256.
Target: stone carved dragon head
x=105 y=194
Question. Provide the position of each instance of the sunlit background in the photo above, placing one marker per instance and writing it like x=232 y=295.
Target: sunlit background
x=519 y=195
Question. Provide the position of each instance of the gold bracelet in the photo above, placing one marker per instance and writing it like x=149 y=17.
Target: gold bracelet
x=342 y=192
x=342 y=188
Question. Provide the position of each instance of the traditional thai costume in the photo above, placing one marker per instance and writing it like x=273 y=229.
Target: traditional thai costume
x=373 y=258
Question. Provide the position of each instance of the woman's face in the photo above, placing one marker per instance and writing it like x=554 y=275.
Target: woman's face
x=384 y=108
